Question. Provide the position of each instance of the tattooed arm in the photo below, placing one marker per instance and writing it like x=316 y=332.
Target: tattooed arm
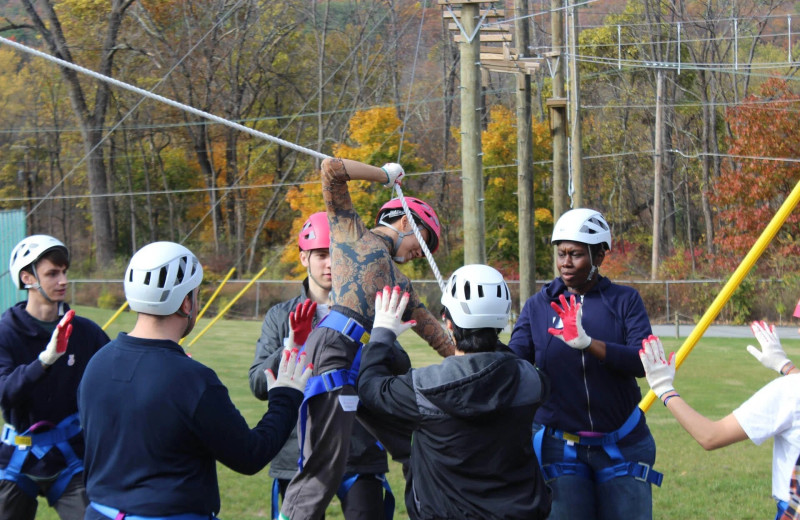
x=429 y=329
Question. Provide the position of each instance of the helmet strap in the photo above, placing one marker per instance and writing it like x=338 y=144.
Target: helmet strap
x=593 y=270
x=400 y=236
x=37 y=285
x=188 y=315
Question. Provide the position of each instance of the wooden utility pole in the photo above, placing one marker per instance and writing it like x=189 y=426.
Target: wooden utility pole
x=576 y=152
x=525 y=200
x=558 y=114
x=659 y=145
x=495 y=56
x=471 y=156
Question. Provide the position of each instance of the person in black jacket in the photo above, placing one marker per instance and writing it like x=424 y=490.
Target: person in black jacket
x=157 y=421
x=471 y=455
x=41 y=365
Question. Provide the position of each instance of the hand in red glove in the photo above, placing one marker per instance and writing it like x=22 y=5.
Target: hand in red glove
x=572 y=332
x=301 y=322
x=58 y=341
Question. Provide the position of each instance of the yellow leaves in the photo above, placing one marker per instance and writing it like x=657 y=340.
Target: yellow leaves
x=542 y=216
x=375 y=128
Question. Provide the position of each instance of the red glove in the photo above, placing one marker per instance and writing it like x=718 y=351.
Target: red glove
x=58 y=341
x=572 y=332
x=301 y=322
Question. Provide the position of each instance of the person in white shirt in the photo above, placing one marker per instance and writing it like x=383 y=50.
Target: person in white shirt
x=773 y=412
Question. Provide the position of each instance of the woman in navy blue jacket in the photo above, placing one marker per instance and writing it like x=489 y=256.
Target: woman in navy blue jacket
x=585 y=333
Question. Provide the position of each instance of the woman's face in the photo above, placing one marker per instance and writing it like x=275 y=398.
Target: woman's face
x=575 y=265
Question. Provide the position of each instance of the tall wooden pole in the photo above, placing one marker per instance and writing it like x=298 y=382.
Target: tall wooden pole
x=657 y=181
x=471 y=161
x=575 y=113
x=526 y=206
x=558 y=115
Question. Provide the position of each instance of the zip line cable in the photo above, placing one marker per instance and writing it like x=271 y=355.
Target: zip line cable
x=162 y=99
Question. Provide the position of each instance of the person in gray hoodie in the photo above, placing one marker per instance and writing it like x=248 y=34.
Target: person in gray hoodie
x=471 y=455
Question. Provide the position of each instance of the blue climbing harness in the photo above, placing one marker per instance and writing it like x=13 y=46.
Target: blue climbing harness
x=39 y=444
x=571 y=466
x=334 y=380
x=388 y=500
x=116 y=514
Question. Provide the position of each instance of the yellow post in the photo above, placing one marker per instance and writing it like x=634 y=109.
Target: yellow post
x=213 y=296
x=722 y=298
x=115 y=316
x=223 y=311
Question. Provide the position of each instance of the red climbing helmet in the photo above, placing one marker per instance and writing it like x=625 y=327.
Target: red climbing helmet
x=421 y=210
x=316 y=234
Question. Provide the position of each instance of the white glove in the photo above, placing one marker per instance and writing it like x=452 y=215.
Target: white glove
x=394 y=172
x=291 y=372
x=771 y=354
x=659 y=371
x=389 y=309
x=58 y=341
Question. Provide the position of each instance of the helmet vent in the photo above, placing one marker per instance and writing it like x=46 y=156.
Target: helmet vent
x=467 y=290
x=162 y=277
x=181 y=271
x=480 y=291
x=146 y=277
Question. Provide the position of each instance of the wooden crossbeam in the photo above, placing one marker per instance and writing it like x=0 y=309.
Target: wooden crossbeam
x=498 y=37
x=503 y=27
x=487 y=13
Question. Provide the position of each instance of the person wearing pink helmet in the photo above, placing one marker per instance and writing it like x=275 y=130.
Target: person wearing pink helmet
x=313 y=242
x=362 y=263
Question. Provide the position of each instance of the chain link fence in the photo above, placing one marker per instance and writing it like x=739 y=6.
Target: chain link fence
x=667 y=301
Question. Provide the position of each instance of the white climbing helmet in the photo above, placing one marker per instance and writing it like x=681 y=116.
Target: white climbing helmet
x=477 y=297
x=583 y=225
x=28 y=251
x=159 y=276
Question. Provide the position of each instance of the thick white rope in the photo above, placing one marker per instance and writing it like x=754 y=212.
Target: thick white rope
x=162 y=99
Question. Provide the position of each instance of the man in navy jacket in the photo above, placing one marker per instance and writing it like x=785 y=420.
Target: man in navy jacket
x=41 y=365
x=157 y=421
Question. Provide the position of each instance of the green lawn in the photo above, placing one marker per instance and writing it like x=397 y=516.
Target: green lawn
x=717 y=377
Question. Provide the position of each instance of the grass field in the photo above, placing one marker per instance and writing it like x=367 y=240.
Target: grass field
x=732 y=483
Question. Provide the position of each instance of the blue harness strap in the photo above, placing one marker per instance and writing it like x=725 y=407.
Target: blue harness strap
x=332 y=379
x=388 y=497
x=116 y=514
x=276 y=495
x=571 y=466
x=39 y=444
x=783 y=505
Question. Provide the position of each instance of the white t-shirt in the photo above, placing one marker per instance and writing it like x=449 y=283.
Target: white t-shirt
x=774 y=411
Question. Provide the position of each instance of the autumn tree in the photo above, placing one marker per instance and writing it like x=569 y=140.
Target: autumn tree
x=500 y=173
x=61 y=26
x=765 y=143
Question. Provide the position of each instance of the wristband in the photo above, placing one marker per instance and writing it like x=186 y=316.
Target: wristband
x=788 y=368
x=387 y=176
x=676 y=394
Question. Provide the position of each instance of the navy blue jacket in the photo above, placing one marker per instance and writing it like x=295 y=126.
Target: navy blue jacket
x=471 y=455
x=29 y=393
x=157 y=421
x=587 y=394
